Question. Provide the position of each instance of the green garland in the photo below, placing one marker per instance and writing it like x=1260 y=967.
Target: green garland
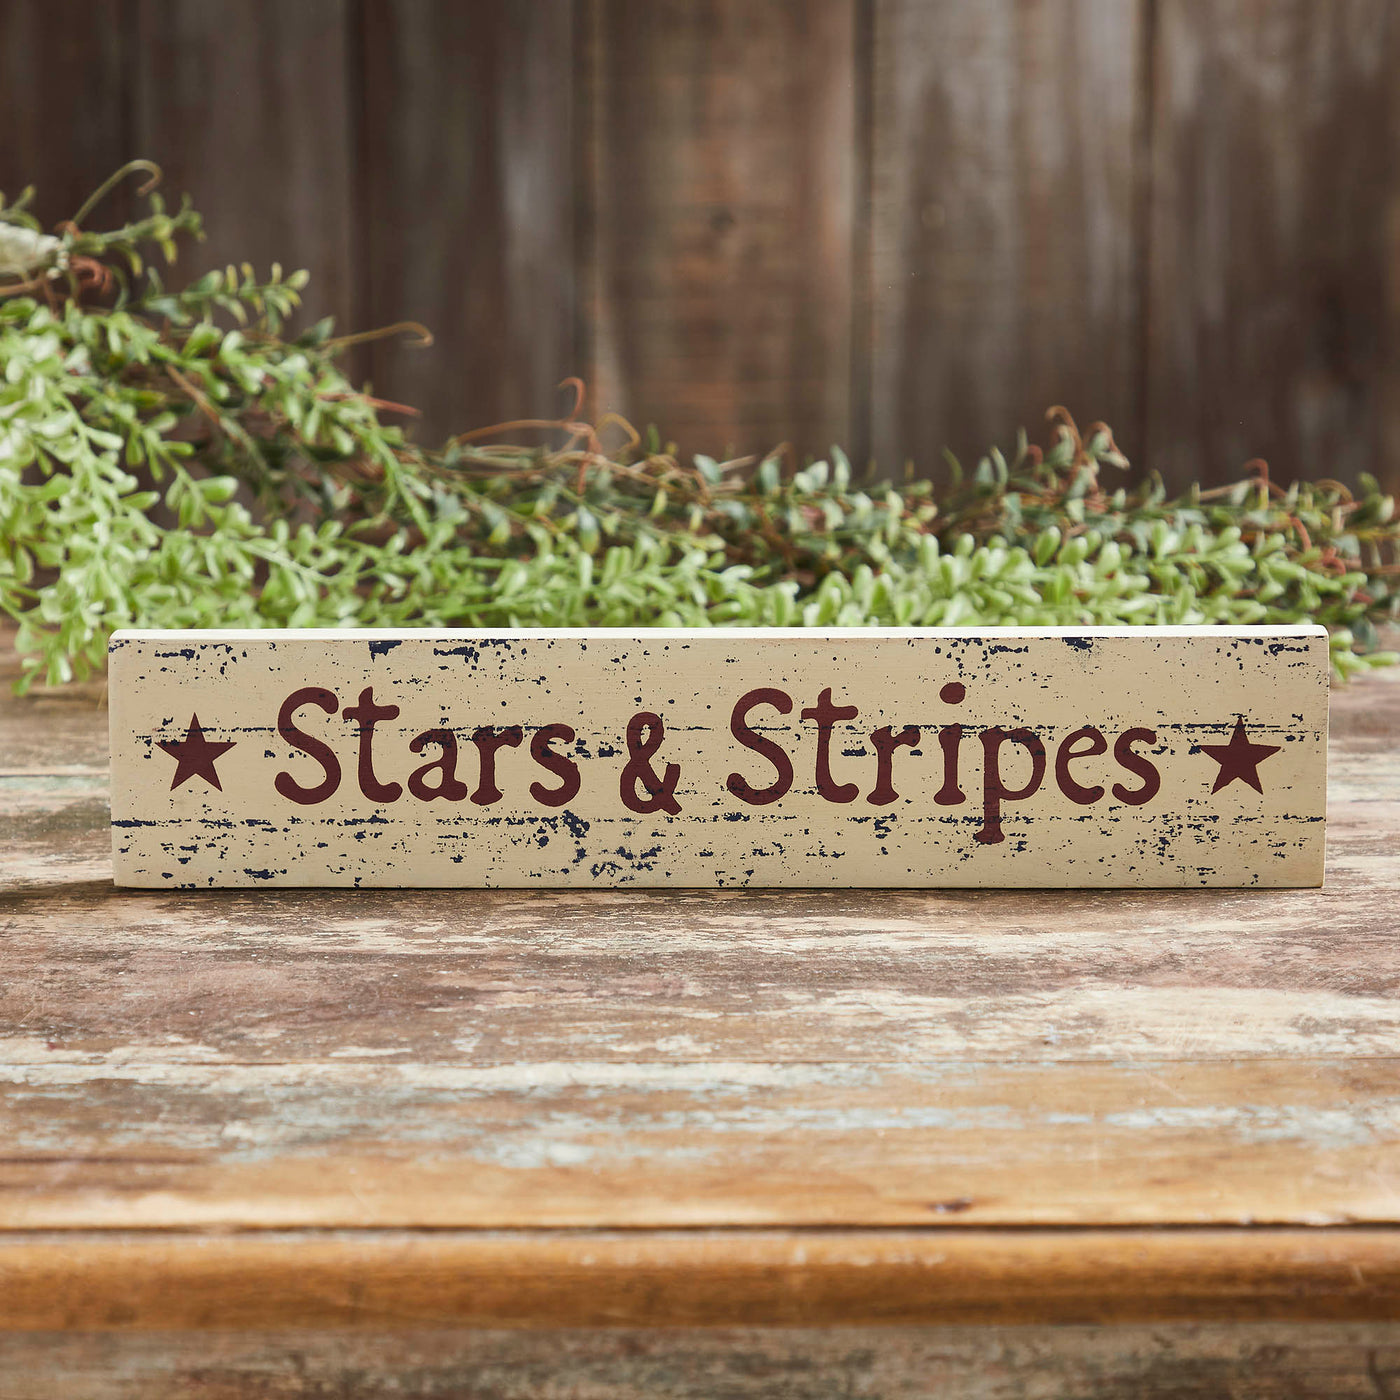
x=288 y=500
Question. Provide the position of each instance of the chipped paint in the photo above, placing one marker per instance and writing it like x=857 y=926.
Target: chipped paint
x=534 y=1058
x=865 y=757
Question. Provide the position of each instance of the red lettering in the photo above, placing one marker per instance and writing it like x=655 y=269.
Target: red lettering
x=994 y=791
x=646 y=732
x=487 y=742
x=886 y=742
x=1084 y=796
x=826 y=714
x=450 y=788
x=1135 y=763
x=773 y=752
x=949 y=741
x=367 y=714
x=563 y=768
x=299 y=739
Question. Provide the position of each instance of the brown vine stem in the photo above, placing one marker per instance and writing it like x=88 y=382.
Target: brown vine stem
x=425 y=336
x=154 y=171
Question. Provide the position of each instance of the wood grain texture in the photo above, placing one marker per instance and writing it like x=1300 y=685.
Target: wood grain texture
x=722 y=166
x=645 y=1145
x=1262 y=1361
x=1004 y=254
x=1274 y=239
x=64 y=105
x=694 y=1279
x=919 y=1064
x=467 y=147
x=246 y=106
x=893 y=222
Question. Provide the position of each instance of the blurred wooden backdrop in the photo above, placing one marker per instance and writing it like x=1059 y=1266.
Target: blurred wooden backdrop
x=893 y=224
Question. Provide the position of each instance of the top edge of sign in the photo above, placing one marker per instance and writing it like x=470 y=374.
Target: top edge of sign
x=352 y=634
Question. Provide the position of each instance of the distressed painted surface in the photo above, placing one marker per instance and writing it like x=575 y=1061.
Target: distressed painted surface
x=703 y=1143
x=491 y=977
x=1039 y=757
x=410 y=1058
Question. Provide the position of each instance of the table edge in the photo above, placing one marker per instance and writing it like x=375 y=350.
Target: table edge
x=117 y=1281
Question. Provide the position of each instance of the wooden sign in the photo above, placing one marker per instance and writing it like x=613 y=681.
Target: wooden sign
x=863 y=757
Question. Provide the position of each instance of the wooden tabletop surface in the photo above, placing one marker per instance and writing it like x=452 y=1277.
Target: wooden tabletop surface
x=504 y=1108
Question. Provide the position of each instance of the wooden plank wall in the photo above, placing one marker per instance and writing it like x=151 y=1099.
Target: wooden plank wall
x=1004 y=252
x=894 y=224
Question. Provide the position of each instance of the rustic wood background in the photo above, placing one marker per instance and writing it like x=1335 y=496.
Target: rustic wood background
x=896 y=224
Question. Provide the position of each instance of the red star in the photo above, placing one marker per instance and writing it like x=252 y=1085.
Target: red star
x=1239 y=759
x=194 y=755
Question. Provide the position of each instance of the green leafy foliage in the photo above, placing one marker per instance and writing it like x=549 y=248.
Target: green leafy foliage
x=172 y=459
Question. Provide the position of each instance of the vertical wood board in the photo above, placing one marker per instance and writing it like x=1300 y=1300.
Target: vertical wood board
x=1004 y=264
x=246 y=106
x=1275 y=240
x=467 y=143
x=63 y=104
x=721 y=155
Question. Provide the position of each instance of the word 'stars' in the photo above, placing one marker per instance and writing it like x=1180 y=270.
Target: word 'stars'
x=1152 y=756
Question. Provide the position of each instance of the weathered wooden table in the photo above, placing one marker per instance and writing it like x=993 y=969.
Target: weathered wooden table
x=511 y=1144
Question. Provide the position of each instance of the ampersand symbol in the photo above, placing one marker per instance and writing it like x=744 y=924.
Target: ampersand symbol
x=645 y=734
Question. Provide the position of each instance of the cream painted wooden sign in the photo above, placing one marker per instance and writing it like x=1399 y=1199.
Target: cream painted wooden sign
x=864 y=757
